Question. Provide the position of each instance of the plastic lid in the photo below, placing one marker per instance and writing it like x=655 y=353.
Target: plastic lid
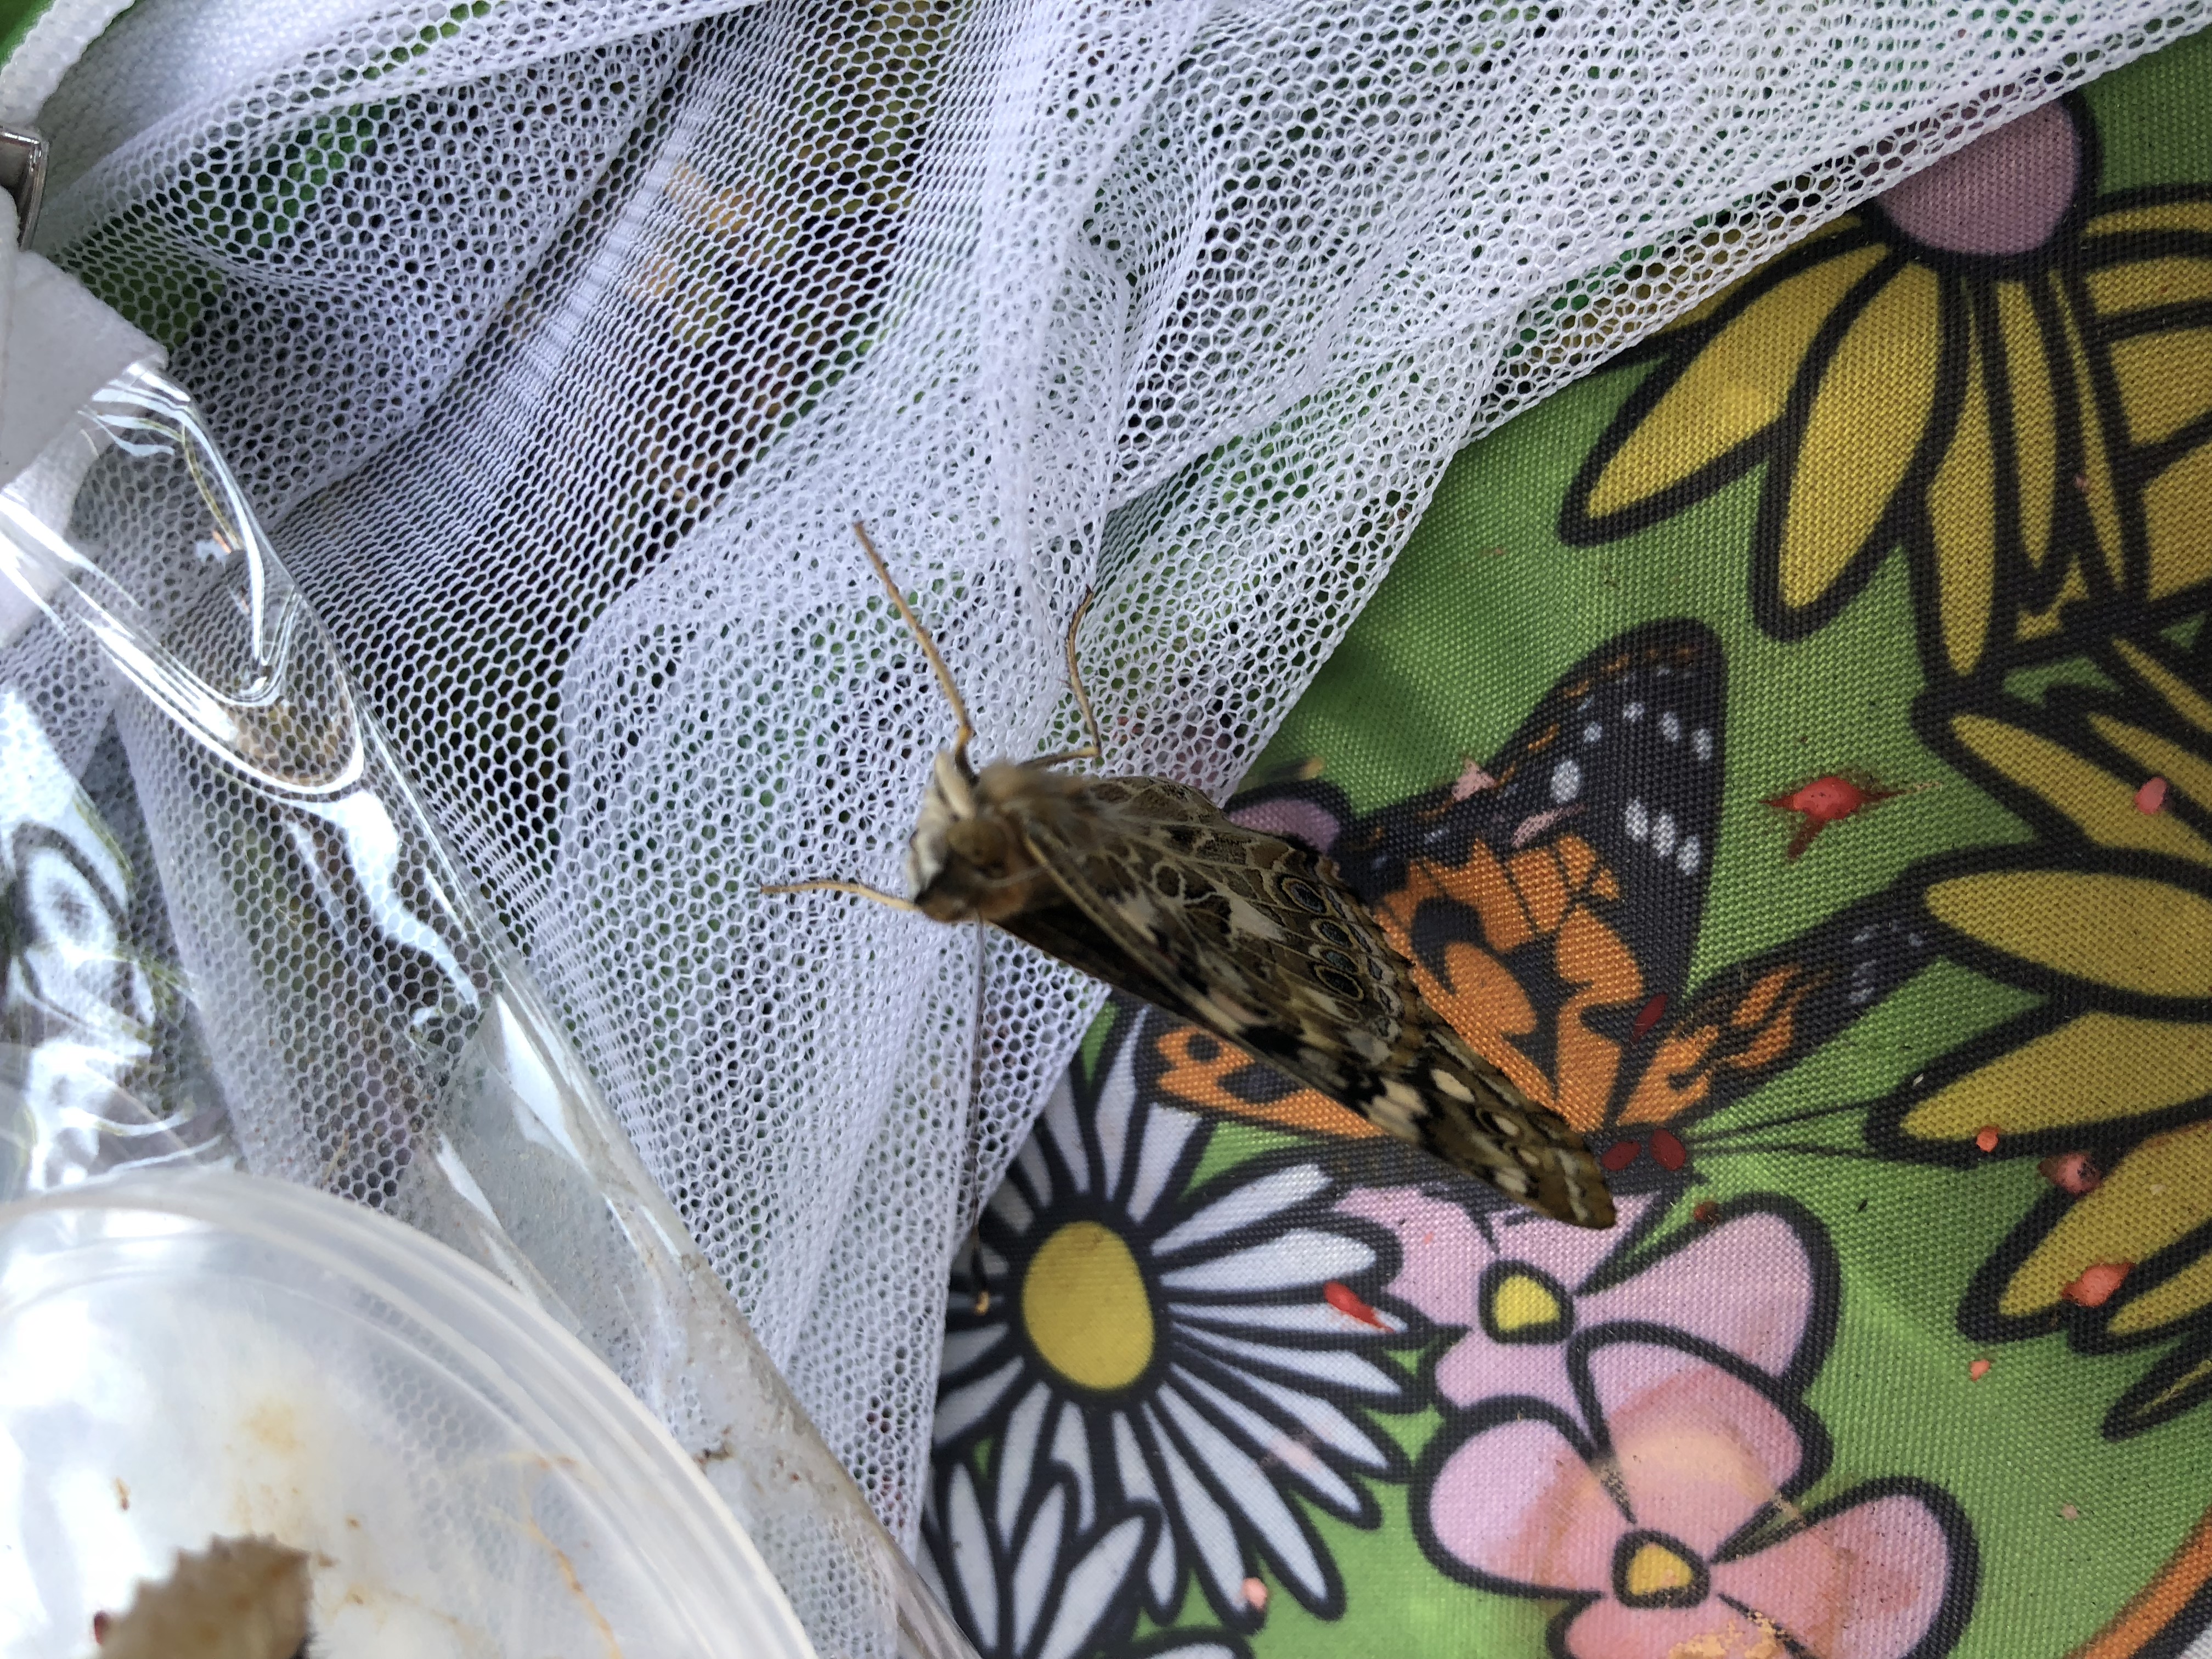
x=209 y=1354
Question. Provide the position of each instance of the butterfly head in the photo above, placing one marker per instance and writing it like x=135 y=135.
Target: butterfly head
x=950 y=800
x=969 y=859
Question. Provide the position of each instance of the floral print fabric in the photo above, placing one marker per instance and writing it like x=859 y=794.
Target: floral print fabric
x=1789 y=754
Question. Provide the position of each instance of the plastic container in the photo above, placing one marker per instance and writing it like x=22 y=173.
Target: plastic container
x=202 y=1354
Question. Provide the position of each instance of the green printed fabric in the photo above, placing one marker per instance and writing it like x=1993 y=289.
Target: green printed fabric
x=1788 y=753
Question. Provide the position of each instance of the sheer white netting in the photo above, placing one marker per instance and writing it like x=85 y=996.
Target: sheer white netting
x=563 y=343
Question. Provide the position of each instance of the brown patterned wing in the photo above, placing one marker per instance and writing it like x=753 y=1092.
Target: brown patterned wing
x=1259 y=941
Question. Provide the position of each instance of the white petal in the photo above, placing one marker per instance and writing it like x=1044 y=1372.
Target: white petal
x=1165 y=1130
x=1662 y=834
x=1327 y=1425
x=1162 y=1571
x=968 y=1543
x=1032 y=1572
x=1254 y=1202
x=1301 y=1256
x=1330 y=1367
x=1017 y=1454
x=1092 y=1585
x=1220 y=1556
x=1566 y=780
x=994 y=1265
x=969 y=1404
x=1313 y=1318
x=1255 y=1498
x=966 y=1348
x=1071 y=1449
x=1030 y=1162
x=1267 y=1440
x=1010 y=1207
x=1059 y=1122
x=1117 y=1099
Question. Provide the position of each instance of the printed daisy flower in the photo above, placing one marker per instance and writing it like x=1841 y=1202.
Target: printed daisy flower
x=1216 y=1352
x=1663 y=1512
x=1046 y=1591
x=1761 y=1284
x=1990 y=366
x=2108 y=917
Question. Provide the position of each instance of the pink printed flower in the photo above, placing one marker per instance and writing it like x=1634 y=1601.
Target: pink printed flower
x=1670 y=1527
x=1753 y=1283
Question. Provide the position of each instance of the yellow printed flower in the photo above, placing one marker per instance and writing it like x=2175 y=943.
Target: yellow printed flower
x=1990 y=367
x=2109 y=916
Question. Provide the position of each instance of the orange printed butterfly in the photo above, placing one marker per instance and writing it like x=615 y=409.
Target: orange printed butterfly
x=1550 y=899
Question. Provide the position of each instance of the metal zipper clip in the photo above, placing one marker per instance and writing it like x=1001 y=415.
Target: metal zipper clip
x=23 y=175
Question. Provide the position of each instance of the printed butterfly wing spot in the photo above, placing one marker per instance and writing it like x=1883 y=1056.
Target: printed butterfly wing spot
x=1259 y=941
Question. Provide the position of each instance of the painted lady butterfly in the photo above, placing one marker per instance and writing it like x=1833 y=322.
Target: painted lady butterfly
x=1144 y=883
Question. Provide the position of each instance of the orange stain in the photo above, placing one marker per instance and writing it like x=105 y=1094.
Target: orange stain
x=1986 y=1138
x=2095 y=1286
x=1349 y=1303
x=1829 y=799
x=2072 y=1172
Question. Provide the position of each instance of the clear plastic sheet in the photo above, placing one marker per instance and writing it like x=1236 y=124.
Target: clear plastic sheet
x=256 y=948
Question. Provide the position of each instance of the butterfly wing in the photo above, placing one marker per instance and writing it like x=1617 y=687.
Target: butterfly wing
x=1259 y=941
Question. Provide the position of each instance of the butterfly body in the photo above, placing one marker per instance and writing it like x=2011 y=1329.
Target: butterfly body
x=1144 y=883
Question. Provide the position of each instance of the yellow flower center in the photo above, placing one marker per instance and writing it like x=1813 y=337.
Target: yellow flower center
x=1519 y=1302
x=1655 y=1569
x=1085 y=1306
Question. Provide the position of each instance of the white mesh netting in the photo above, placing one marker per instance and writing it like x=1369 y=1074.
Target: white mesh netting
x=562 y=341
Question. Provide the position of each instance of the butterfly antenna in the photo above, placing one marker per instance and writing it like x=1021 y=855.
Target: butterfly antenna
x=858 y=889
x=1097 y=750
x=928 y=645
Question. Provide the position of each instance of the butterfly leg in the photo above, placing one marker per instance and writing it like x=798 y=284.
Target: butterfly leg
x=928 y=645
x=1096 y=749
x=858 y=889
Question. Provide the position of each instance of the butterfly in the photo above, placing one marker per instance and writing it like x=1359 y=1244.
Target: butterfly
x=1144 y=883
x=1550 y=898
x=241 y=1598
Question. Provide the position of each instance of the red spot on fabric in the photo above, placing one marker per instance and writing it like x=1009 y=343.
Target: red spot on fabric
x=1828 y=799
x=2096 y=1284
x=1255 y=1596
x=1986 y=1138
x=1618 y=1156
x=100 y=1621
x=1708 y=1212
x=2072 y=1172
x=1649 y=1015
x=1978 y=1370
x=2151 y=796
x=1667 y=1148
x=1347 y=1302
